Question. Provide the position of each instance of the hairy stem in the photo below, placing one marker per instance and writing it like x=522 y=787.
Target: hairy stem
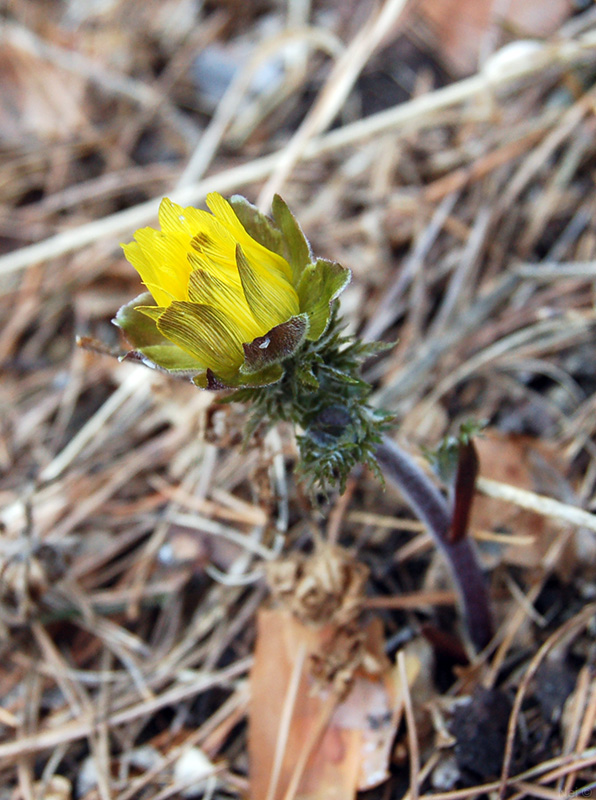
x=430 y=506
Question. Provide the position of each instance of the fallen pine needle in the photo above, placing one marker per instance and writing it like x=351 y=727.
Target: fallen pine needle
x=414 y=751
x=538 y=503
x=504 y=68
x=413 y=600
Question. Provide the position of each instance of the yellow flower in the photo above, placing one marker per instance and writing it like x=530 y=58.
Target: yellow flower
x=229 y=299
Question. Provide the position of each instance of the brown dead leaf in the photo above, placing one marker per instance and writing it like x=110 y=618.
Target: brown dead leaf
x=37 y=99
x=57 y=787
x=462 y=29
x=526 y=463
x=303 y=736
x=325 y=704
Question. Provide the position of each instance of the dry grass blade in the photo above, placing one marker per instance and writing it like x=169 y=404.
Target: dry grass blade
x=571 y=628
x=538 y=503
x=412 y=114
x=136 y=523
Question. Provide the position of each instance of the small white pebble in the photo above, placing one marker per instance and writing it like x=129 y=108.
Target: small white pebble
x=446 y=774
x=87 y=777
x=165 y=554
x=144 y=757
x=57 y=788
x=511 y=60
x=374 y=778
x=191 y=770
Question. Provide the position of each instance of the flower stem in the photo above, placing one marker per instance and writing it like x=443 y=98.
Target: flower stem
x=431 y=507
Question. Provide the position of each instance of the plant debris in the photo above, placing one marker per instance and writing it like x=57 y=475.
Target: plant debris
x=136 y=523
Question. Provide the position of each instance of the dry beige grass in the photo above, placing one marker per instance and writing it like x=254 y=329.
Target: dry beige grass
x=135 y=526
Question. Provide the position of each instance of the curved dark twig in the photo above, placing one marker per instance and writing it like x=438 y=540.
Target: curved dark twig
x=430 y=506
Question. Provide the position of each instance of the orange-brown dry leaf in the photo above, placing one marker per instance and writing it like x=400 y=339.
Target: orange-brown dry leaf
x=461 y=28
x=352 y=750
x=527 y=464
x=36 y=98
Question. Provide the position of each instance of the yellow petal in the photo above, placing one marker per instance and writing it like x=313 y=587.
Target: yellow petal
x=205 y=333
x=255 y=251
x=145 y=267
x=215 y=252
x=177 y=219
x=271 y=299
x=208 y=289
x=201 y=234
x=161 y=261
x=153 y=312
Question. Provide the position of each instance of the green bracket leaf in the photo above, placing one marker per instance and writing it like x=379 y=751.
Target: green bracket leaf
x=320 y=284
x=257 y=224
x=140 y=329
x=298 y=253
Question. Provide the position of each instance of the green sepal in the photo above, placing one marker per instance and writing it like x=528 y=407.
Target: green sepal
x=272 y=373
x=280 y=342
x=168 y=357
x=139 y=324
x=297 y=249
x=319 y=285
x=153 y=312
x=257 y=224
x=264 y=377
x=138 y=327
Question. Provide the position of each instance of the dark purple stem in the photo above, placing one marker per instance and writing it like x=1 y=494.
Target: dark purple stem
x=431 y=507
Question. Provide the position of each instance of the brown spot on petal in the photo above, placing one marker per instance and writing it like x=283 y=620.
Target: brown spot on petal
x=199 y=241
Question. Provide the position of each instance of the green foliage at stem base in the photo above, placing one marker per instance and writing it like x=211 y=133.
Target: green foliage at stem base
x=322 y=393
